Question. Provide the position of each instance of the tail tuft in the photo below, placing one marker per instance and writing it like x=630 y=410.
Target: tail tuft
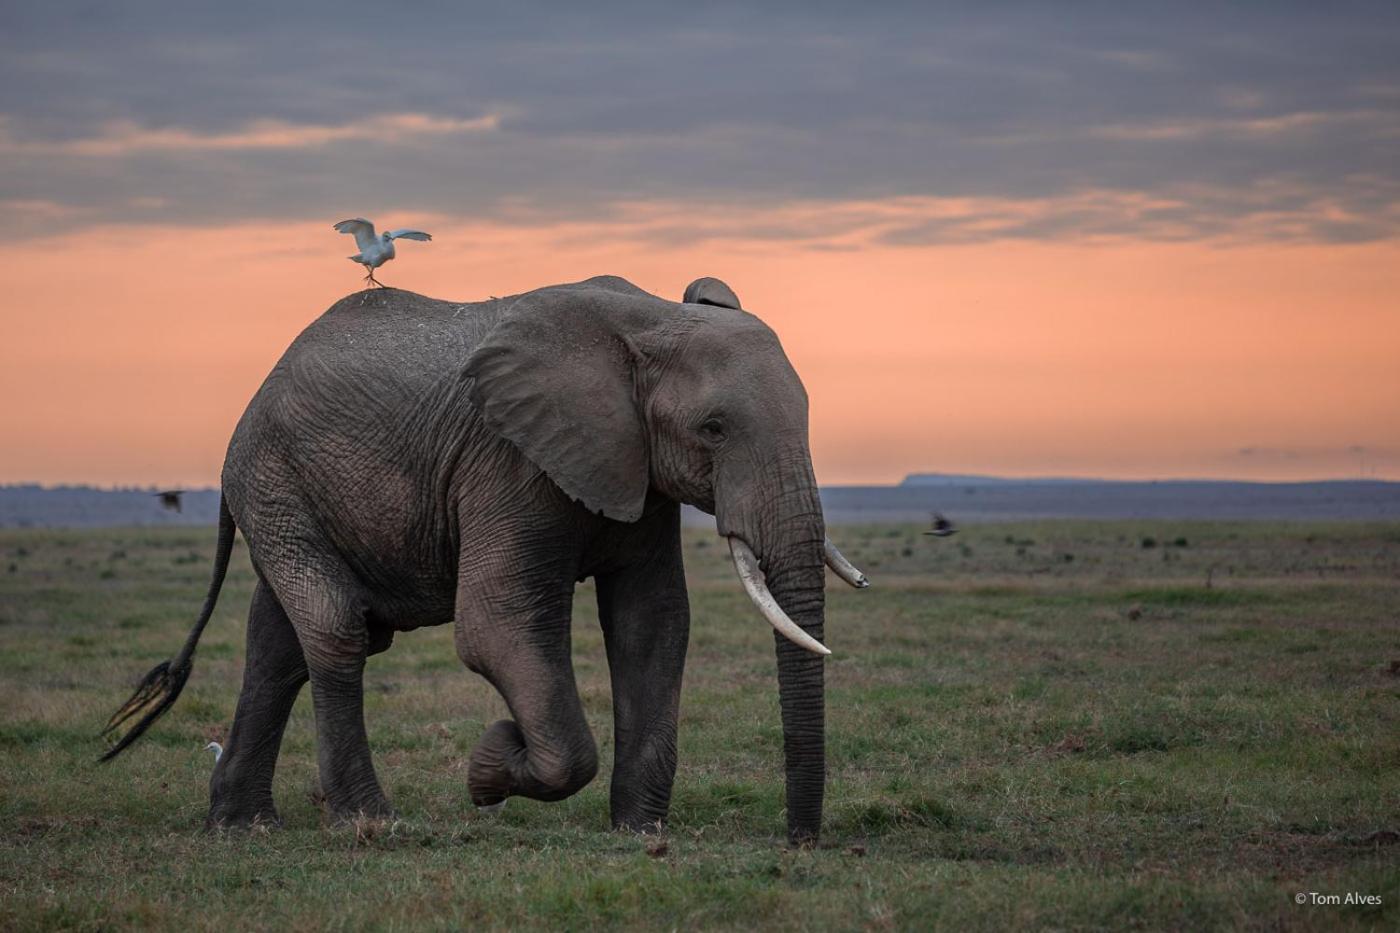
x=163 y=684
x=155 y=695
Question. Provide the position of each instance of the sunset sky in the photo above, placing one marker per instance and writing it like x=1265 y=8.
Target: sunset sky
x=1122 y=244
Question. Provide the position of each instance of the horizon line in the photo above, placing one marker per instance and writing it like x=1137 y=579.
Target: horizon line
x=945 y=478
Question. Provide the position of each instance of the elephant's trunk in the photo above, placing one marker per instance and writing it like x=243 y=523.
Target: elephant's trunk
x=796 y=577
x=788 y=535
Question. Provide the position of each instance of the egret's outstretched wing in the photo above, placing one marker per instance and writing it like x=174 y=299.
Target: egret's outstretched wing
x=409 y=235
x=361 y=228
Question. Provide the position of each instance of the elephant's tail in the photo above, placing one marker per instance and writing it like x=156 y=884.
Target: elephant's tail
x=158 y=691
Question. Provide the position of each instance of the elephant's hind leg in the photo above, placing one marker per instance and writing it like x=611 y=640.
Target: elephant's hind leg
x=240 y=791
x=331 y=623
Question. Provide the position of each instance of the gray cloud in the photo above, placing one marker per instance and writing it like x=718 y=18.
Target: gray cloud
x=1278 y=123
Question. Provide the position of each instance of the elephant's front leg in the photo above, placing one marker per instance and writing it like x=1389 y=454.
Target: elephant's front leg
x=645 y=614
x=512 y=627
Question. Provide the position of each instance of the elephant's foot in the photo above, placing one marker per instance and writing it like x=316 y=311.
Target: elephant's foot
x=643 y=774
x=640 y=818
x=502 y=766
x=500 y=752
x=350 y=807
x=647 y=824
x=261 y=815
x=358 y=817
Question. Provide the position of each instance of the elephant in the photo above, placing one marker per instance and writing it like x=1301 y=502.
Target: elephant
x=412 y=462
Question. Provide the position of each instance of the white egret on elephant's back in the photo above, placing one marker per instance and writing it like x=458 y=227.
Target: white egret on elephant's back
x=375 y=250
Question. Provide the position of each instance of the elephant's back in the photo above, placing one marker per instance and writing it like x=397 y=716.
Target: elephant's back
x=361 y=391
x=389 y=334
x=377 y=348
x=375 y=384
x=389 y=346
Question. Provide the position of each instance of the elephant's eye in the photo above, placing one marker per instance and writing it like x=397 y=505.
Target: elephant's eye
x=712 y=430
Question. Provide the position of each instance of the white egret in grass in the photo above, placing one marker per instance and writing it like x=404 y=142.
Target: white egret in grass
x=375 y=250
x=218 y=750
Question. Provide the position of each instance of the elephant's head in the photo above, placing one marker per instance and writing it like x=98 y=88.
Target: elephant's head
x=613 y=392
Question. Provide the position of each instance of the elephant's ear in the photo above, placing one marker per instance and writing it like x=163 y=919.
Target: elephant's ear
x=553 y=379
x=711 y=291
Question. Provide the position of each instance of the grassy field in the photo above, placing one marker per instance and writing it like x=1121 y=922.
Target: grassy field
x=1076 y=725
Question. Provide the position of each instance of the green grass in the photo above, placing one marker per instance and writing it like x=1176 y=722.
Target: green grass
x=1033 y=725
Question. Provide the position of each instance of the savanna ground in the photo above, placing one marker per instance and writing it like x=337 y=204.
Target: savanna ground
x=1048 y=724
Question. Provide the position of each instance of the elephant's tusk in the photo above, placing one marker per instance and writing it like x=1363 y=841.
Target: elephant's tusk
x=844 y=568
x=747 y=564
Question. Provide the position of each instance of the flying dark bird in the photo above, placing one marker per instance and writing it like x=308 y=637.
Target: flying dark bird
x=942 y=528
x=375 y=250
x=170 y=499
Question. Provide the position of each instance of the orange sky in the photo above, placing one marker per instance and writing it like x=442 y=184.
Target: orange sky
x=127 y=354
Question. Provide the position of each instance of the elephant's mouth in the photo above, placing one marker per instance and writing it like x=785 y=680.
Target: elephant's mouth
x=752 y=578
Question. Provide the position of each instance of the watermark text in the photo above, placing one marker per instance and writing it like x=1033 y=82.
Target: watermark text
x=1354 y=898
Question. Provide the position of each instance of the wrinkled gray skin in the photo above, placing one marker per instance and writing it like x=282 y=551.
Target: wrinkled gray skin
x=416 y=462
